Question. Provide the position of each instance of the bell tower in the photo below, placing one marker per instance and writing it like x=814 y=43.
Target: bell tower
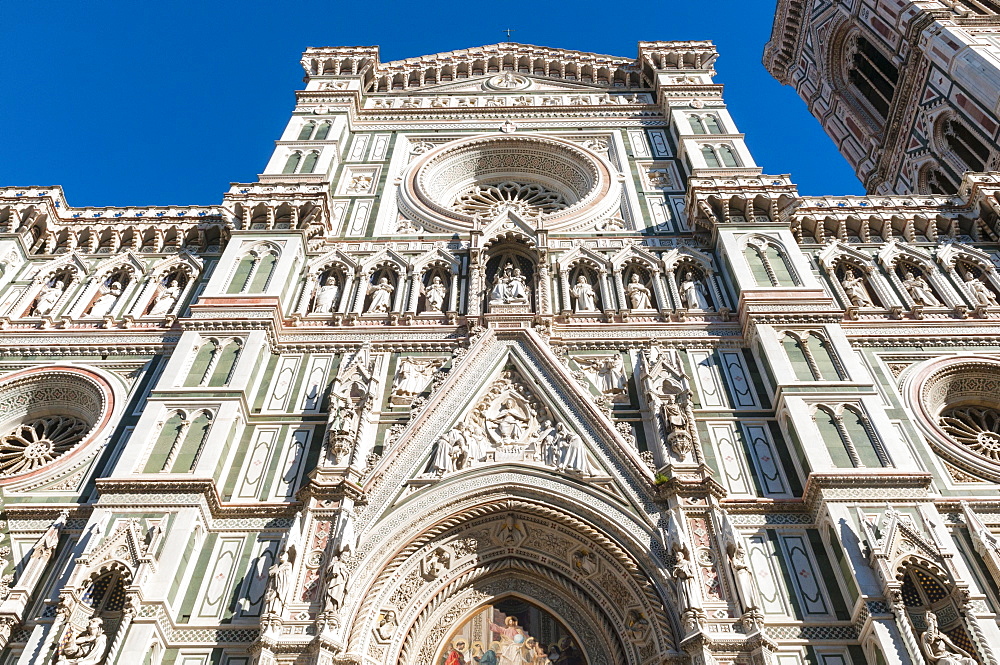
x=909 y=91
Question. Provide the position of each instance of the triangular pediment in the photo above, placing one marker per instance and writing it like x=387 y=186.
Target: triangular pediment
x=509 y=403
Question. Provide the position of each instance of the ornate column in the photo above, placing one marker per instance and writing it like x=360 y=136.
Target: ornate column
x=619 y=288
x=400 y=294
x=307 y=291
x=662 y=301
x=544 y=301
x=345 y=297
x=675 y=295
x=129 y=613
x=414 y=292
x=362 y=291
x=453 y=301
x=564 y=289
x=475 y=294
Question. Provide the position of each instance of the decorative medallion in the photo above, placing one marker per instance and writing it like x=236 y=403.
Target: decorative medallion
x=507 y=81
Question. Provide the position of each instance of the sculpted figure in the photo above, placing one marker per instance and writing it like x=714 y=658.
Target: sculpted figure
x=500 y=283
x=336 y=585
x=981 y=292
x=693 y=293
x=509 y=423
x=279 y=583
x=86 y=647
x=451 y=453
x=387 y=625
x=939 y=648
x=548 y=444
x=165 y=299
x=855 y=288
x=745 y=582
x=381 y=294
x=610 y=371
x=573 y=454
x=410 y=378
x=517 y=290
x=435 y=294
x=326 y=297
x=106 y=302
x=919 y=290
x=47 y=300
x=683 y=575
x=638 y=294
x=583 y=294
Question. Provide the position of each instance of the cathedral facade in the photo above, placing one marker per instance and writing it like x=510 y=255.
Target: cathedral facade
x=511 y=355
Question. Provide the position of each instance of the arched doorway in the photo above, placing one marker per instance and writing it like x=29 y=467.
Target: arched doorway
x=511 y=631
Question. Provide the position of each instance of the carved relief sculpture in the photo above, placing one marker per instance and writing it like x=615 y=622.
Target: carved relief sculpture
x=381 y=294
x=49 y=297
x=86 y=647
x=938 y=647
x=982 y=293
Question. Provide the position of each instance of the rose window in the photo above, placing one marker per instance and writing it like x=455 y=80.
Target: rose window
x=47 y=416
x=36 y=443
x=454 y=186
x=492 y=200
x=958 y=404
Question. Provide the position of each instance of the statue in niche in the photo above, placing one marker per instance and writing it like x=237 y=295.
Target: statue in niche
x=435 y=294
x=106 y=302
x=854 y=287
x=326 y=296
x=165 y=299
x=335 y=579
x=979 y=291
x=508 y=426
x=693 y=292
x=684 y=578
x=509 y=286
x=608 y=375
x=939 y=648
x=638 y=294
x=919 y=290
x=678 y=434
x=279 y=581
x=381 y=294
x=86 y=647
x=584 y=296
x=746 y=585
x=49 y=297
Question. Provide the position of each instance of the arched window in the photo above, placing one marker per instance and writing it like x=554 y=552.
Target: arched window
x=253 y=272
x=322 y=132
x=828 y=429
x=226 y=363
x=938 y=182
x=180 y=443
x=697 y=126
x=203 y=361
x=711 y=158
x=262 y=276
x=728 y=156
x=964 y=143
x=309 y=165
x=712 y=124
x=873 y=76
x=850 y=438
x=776 y=259
x=307 y=131
x=755 y=259
x=796 y=352
x=293 y=162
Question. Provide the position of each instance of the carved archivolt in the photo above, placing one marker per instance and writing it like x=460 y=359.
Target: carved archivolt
x=517 y=548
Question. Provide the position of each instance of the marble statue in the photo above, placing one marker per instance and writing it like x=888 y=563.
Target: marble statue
x=509 y=286
x=939 y=648
x=86 y=647
x=979 y=291
x=335 y=580
x=746 y=585
x=854 y=287
x=609 y=372
x=326 y=297
x=279 y=582
x=693 y=293
x=49 y=297
x=451 y=454
x=435 y=294
x=105 y=303
x=638 y=294
x=381 y=294
x=584 y=296
x=919 y=290
x=164 y=301
x=684 y=578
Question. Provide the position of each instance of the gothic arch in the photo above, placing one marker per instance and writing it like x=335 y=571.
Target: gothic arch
x=562 y=561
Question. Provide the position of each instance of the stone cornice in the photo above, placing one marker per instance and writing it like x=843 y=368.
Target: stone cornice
x=866 y=486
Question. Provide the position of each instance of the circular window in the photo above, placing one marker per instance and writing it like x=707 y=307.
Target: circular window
x=47 y=414
x=472 y=181
x=957 y=401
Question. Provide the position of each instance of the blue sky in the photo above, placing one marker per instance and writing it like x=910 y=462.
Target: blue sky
x=157 y=103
